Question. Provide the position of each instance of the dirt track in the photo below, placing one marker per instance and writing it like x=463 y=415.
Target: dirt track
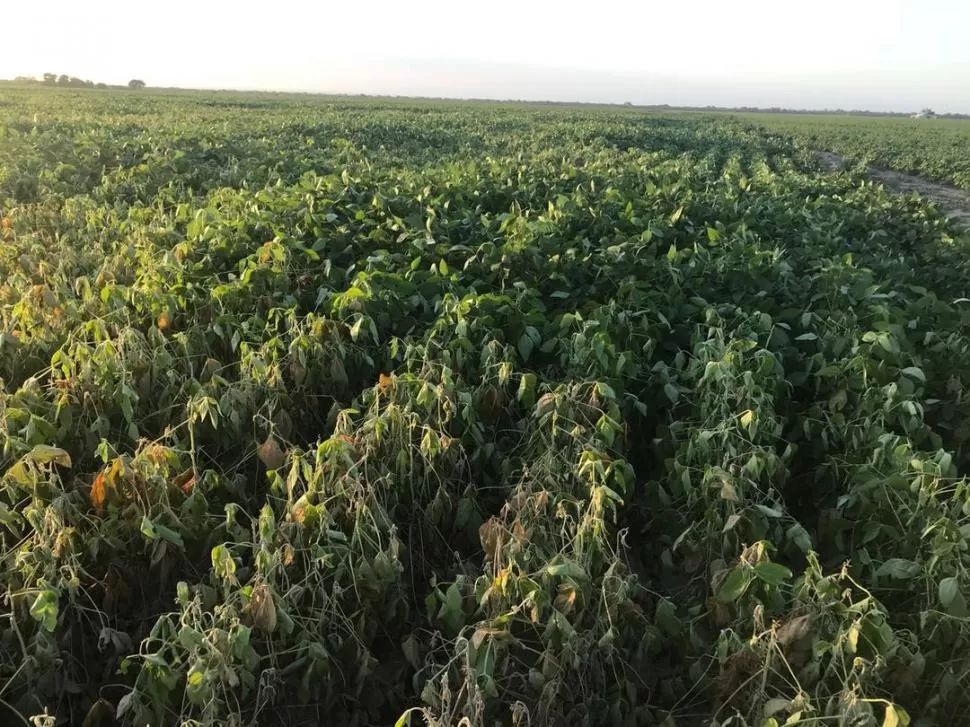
x=955 y=202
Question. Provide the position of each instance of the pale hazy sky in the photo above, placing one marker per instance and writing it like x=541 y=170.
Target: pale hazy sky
x=877 y=54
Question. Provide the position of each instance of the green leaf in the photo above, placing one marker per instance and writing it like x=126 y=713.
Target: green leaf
x=773 y=573
x=148 y=528
x=526 y=346
x=734 y=585
x=672 y=392
x=800 y=537
x=170 y=535
x=900 y=569
x=666 y=618
x=44 y=609
x=806 y=337
x=527 y=388
x=949 y=591
x=952 y=598
x=914 y=372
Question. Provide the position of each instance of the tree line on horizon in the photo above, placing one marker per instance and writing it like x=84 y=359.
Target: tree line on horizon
x=66 y=81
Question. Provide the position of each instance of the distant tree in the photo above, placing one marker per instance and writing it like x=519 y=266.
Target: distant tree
x=63 y=80
x=50 y=78
x=136 y=83
x=102 y=85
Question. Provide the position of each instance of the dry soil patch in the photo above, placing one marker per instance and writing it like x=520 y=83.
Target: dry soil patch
x=955 y=202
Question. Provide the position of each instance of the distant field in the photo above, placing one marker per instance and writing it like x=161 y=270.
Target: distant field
x=388 y=412
x=935 y=148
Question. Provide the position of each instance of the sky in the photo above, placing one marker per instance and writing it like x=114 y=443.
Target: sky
x=883 y=55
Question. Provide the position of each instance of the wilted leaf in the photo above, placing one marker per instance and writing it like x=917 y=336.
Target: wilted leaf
x=43 y=454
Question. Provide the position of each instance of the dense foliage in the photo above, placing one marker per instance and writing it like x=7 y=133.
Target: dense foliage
x=362 y=412
x=931 y=147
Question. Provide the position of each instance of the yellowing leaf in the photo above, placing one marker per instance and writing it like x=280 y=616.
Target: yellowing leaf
x=853 y=638
x=43 y=454
x=892 y=718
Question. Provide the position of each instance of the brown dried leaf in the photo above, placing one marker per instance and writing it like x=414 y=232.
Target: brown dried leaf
x=720 y=612
x=262 y=608
x=271 y=454
x=491 y=533
x=794 y=630
x=385 y=383
x=185 y=481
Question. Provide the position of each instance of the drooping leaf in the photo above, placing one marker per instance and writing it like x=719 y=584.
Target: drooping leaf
x=44 y=454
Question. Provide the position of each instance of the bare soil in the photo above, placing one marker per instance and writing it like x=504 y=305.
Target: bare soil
x=954 y=202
